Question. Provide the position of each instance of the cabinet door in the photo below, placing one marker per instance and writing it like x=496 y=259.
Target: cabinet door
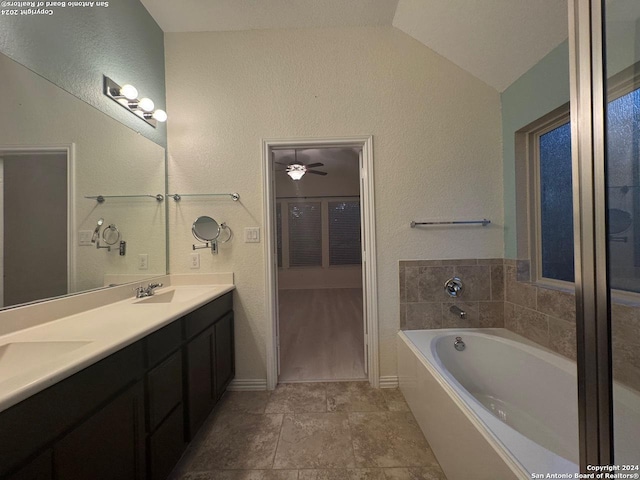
x=109 y=445
x=38 y=469
x=200 y=386
x=166 y=445
x=224 y=365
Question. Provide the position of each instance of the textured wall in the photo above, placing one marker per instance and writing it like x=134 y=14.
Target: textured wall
x=110 y=159
x=76 y=46
x=538 y=92
x=436 y=136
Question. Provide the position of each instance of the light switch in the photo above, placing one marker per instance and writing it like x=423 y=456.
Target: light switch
x=84 y=237
x=252 y=235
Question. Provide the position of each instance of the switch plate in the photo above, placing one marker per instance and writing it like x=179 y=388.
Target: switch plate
x=194 y=260
x=252 y=235
x=143 y=261
x=84 y=238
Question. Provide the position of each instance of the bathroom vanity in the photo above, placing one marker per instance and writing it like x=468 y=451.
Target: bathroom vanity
x=130 y=414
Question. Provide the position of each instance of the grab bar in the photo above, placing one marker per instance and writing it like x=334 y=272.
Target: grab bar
x=484 y=222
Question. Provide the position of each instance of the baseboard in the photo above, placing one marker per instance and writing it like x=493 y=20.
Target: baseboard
x=251 y=384
x=390 y=381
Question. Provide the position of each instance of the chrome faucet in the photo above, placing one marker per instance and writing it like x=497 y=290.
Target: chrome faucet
x=147 y=291
x=458 y=311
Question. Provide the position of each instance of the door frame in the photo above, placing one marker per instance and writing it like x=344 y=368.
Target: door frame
x=69 y=150
x=370 y=286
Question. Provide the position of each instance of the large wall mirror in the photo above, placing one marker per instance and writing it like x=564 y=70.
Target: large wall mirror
x=56 y=150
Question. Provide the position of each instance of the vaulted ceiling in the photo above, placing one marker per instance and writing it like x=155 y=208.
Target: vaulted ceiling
x=495 y=40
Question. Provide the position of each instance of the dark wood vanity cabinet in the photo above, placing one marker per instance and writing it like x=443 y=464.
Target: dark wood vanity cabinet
x=209 y=358
x=108 y=445
x=129 y=416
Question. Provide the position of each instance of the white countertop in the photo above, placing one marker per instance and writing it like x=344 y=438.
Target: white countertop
x=97 y=333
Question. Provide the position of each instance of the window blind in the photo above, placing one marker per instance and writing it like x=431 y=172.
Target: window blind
x=305 y=234
x=344 y=233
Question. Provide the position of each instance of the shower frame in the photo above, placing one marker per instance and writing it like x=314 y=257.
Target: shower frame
x=593 y=299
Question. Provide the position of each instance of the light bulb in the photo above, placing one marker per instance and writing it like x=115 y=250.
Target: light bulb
x=160 y=115
x=129 y=92
x=146 y=104
x=296 y=174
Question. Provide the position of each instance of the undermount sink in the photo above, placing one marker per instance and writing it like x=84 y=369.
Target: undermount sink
x=175 y=295
x=19 y=356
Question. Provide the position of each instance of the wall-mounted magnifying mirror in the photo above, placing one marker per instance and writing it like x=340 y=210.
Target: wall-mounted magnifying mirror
x=206 y=229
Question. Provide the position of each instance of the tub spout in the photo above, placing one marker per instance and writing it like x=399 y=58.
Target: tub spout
x=458 y=311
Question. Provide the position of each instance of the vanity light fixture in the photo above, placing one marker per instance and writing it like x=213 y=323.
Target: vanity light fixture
x=127 y=97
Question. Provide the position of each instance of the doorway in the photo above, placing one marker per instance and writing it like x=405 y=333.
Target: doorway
x=318 y=238
x=319 y=244
x=34 y=223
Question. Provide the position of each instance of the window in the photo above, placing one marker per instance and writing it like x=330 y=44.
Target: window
x=556 y=204
x=322 y=233
x=552 y=201
x=305 y=234
x=344 y=233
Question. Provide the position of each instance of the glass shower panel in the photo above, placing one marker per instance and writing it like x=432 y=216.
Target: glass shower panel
x=622 y=27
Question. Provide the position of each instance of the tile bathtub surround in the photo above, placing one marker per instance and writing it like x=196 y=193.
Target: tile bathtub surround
x=359 y=434
x=548 y=316
x=498 y=293
x=424 y=303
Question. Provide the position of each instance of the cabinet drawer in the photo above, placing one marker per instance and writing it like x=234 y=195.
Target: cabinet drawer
x=161 y=343
x=166 y=445
x=164 y=384
x=198 y=320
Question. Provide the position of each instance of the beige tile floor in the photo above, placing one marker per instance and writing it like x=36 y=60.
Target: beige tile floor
x=310 y=431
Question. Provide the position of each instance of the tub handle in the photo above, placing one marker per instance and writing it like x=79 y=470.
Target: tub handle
x=453 y=287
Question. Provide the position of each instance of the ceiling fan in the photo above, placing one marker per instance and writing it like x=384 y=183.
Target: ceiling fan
x=297 y=169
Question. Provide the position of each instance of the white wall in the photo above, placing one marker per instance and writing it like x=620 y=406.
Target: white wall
x=109 y=159
x=436 y=135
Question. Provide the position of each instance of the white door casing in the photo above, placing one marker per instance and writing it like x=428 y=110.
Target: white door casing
x=370 y=307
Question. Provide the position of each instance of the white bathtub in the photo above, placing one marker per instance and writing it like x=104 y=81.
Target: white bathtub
x=502 y=408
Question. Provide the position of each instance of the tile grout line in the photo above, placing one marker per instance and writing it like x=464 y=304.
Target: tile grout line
x=275 y=453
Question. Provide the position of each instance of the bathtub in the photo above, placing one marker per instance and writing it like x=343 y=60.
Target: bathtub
x=502 y=408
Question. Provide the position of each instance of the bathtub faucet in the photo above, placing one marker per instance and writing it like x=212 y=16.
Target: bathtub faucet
x=458 y=311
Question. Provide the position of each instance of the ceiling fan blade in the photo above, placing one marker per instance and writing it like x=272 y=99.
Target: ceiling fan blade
x=314 y=165
x=316 y=172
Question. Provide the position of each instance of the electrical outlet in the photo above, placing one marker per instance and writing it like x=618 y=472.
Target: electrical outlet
x=194 y=260
x=143 y=261
x=84 y=238
x=252 y=235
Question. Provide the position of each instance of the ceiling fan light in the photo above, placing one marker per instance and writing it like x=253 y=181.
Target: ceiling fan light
x=296 y=174
x=296 y=171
